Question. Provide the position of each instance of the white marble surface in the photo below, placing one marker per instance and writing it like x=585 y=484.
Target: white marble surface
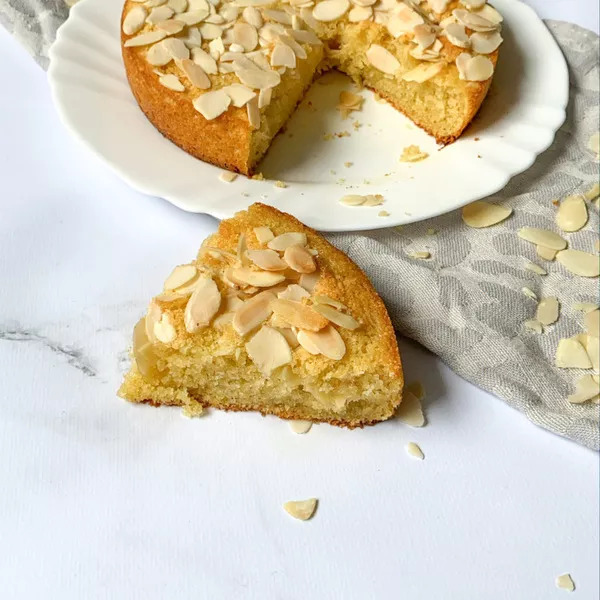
x=102 y=499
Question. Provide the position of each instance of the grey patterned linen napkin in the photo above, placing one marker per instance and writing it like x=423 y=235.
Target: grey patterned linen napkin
x=465 y=303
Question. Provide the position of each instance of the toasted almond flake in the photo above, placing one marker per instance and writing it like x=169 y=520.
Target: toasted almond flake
x=253 y=113
x=161 y=13
x=456 y=34
x=143 y=353
x=301 y=509
x=564 y=582
x=423 y=72
x=245 y=35
x=293 y=292
x=586 y=388
x=473 y=4
x=145 y=39
x=579 y=263
x=593 y=192
x=570 y=354
x=410 y=411
x=414 y=450
x=382 y=60
x=258 y=79
x=420 y=254
x=309 y=282
x=534 y=325
x=545 y=253
x=158 y=55
x=352 y=200
x=267 y=260
x=264 y=97
x=153 y=316
x=134 y=20
x=153 y=3
x=327 y=342
x=300 y=426
x=176 y=48
x=171 y=82
x=164 y=331
x=171 y=27
x=330 y=10
x=240 y=95
x=212 y=104
x=180 y=276
x=594 y=144
x=428 y=54
x=542 y=237
x=195 y=73
x=547 y=311
x=193 y=17
x=530 y=266
x=254 y=311
x=263 y=234
x=491 y=14
x=260 y=279
x=592 y=323
x=403 y=20
x=202 y=305
x=474 y=68
x=268 y=350
x=336 y=317
x=298 y=315
x=485 y=43
x=572 y=214
x=322 y=299
x=299 y=259
x=424 y=35
x=473 y=21
x=205 y=60
x=285 y=240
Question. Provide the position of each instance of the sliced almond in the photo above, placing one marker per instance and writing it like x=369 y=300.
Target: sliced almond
x=245 y=35
x=424 y=35
x=263 y=234
x=268 y=350
x=580 y=263
x=240 y=94
x=530 y=266
x=423 y=72
x=327 y=342
x=298 y=315
x=483 y=214
x=195 y=73
x=258 y=79
x=283 y=56
x=145 y=39
x=403 y=20
x=211 y=31
x=158 y=14
x=473 y=21
x=254 y=311
x=300 y=426
x=593 y=192
x=153 y=316
x=227 y=176
x=545 y=253
x=572 y=214
x=212 y=104
x=322 y=299
x=158 y=55
x=180 y=276
x=299 y=259
x=330 y=10
x=474 y=68
x=259 y=279
x=178 y=6
x=456 y=34
x=285 y=240
x=306 y=37
x=438 y=6
x=414 y=450
x=171 y=82
x=193 y=17
x=534 y=325
x=301 y=509
x=252 y=16
x=290 y=336
x=134 y=20
x=164 y=331
x=171 y=26
x=530 y=293
x=143 y=353
x=268 y=260
x=570 y=354
x=592 y=347
x=293 y=292
x=382 y=60
x=485 y=43
x=592 y=323
x=547 y=311
x=586 y=388
x=202 y=305
x=253 y=114
x=565 y=582
x=360 y=13
x=410 y=411
x=542 y=237
x=205 y=60
x=309 y=282
x=585 y=307
x=339 y=318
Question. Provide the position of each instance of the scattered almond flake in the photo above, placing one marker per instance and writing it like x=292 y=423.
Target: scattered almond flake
x=529 y=292
x=134 y=20
x=383 y=213
x=212 y=104
x=227 y=176
x=268 y=350
x=413 y=153
x=260 y=279
x=546 y=253
x=337 y=317
x=570 y=354
x=145 y=39
x=484 y=214
x=585 y=306
x=416 y=388
x=586 y=388
x=301 y=509
x=179 y=276
x=534 y=325
x=202 y=305
x=298 y=315
x=164 y=331
x=414 y=450
x=547 y=311
x=410 y=411
x=299 y=259
x=280 y=184
x=579 y=263
x=373 y=199
x=158 y=14
x=191 y=411
x=268 y=260
x=382 y=60
x=171 y=82
x=594 y=144
x=283 y=241
x=572 y=214
x=593 y=192
x=327 y=342
x=293 y=292
x=592 y=323
x=542 y=237
x=565 y=582
x=254 y=311
x=309 y=282
x=474 y=68
x=300 y=426
x=535 y=268
x=421 y=254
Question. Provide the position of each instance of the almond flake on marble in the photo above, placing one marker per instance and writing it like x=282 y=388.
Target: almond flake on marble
x=473 y=21
x=546 y=253
x=306 y=37
x=212 y=104
x=145 y=39
x=240 y=95
x=293 y=292
x=327 y=342
x=268 y=260
x=283 y=241
x=456 y=34
x=134 y=20
x=254 y=311
x=330 y=10
x=423 y=72
x=592 y=323
x=423 y=254
x=299 y=259
x=227 y=176
x=193 y=17
x=530 y=266
x=298 y=315
x=301 y=509
x=176 y=48
x=195 y=73
x=542 y=237
x=382 y=60
x=403 y=20
x=352 y=200
x=414 y=450
x=300 y=427
x=565 y=582
x=158 y=55
x=586 y=388
x=211 y=31
x=180 y=276
x=263 y=234
x=268 y=350
x=258 y=79
x=534 y=325
x=572 y=214
x=279 y=16
x=570 y=354
x=360 y=13
x=547 y=311
x=283 y=56
x=474 y=68
x=205 y=61
x=164 y=331
x=161 y=13
x=485 y=43
x=579 y=263
x=335 y=316
x=178 y=6
x=259 y=279
x=410 y=411
x=171 y=82
x=202 y=305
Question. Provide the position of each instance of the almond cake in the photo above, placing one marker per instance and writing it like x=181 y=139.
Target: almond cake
x=270 y=317
x=220 y=77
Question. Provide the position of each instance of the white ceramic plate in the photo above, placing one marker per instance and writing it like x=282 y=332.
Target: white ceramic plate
x=518 y=120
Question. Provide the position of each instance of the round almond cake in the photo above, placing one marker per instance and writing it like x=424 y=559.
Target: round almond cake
x=221 y=77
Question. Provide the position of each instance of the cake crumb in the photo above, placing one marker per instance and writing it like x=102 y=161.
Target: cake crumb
x=357 y=125
x=431 y=231
x=414 y=450
x=413 y=153
x=565 y=582
x=280 y=184
x=556 y=202
x=227 y=176
x=327 y=137
x=383 y=213
x=348 y=164
x=258 y=176
x=341 y=134
x=192 y=410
